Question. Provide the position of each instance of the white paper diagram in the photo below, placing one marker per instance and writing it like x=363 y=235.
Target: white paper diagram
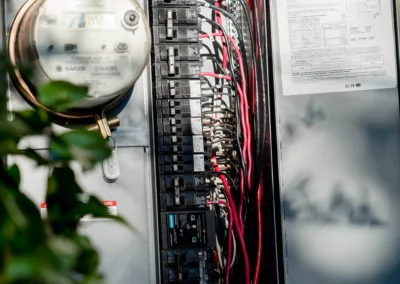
x=336 y=45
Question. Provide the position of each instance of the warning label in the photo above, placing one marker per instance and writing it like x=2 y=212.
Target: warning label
x=110 y=204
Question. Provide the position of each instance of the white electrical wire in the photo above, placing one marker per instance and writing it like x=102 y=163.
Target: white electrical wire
x=234 y=249
x=222 y=259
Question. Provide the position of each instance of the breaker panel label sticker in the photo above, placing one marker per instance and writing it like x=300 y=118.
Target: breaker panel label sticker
x=110 y=204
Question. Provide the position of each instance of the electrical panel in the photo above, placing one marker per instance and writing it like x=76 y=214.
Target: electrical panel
x=209 y=139
x=183 y=153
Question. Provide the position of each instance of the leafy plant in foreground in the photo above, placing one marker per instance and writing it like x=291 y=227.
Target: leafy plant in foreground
x=32 y=249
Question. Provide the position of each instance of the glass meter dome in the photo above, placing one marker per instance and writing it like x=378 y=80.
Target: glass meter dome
x=103 y=44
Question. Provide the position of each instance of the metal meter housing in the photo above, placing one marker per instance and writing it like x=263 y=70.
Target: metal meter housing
x=103 y=44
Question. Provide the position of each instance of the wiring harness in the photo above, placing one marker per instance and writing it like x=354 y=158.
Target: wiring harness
x=234 y=102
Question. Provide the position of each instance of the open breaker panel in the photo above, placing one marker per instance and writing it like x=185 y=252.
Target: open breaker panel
x=189 y=149
x=229 y=171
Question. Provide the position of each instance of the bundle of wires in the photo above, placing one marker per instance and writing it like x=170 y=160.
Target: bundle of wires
x=237 y=130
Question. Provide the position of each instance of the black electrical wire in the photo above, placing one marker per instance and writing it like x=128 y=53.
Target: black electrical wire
x=238 y=135
x=264 y=99
x=217 y=94
x=215 y=61
x=222 y=140
x=232 y=182
x=224 y=34
x=257 y=123
x=237 y=99
x=219 y=65
x=228 y=43
x=217 y=87
x=217 y=49
x=212 y=105
x=207 y=81
x=234 y=22
x=224 y=129
x=222 y=112
x=244 y=167
x=227 y=129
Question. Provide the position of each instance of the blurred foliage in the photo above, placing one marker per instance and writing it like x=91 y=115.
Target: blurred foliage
x=48 y=250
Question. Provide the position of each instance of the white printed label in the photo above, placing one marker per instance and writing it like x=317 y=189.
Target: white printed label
x=195 y=108
x=336 y=45
x=198 y=161
x=195 y=89
x=110 y=204
x=197 y=127
x=198 y=144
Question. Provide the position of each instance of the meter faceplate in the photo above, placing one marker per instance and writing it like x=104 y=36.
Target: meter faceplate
x=104 y=44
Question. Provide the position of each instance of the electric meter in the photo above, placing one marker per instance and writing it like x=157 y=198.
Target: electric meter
x=103 y=44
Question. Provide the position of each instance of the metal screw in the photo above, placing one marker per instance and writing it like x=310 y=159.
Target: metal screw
x=131 y=18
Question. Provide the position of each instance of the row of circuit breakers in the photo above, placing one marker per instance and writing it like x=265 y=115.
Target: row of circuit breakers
x=187 y=227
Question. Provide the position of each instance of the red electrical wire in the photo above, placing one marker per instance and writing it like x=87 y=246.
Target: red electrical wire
x=244 y=108
x=239 y=230
x=247 y=141
x=260 y=233
x=244 y=117
x=241 y=199
x=210 y=74
x=260 y=186
x=230 y=229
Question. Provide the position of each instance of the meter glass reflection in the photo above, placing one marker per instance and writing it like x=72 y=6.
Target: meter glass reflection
x=89 y=21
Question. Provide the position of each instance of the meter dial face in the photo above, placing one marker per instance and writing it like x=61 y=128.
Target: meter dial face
x=104 y=44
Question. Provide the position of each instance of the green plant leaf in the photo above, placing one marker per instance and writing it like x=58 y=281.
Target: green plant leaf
x=65 y=251
x=11 y=208
x=36 y=120
x=3 y=102
x=60 y=95
x=67 y=204
x=48 y=251
x=88 y=259
x=23 y=124
x=13 y=130
x=62 y=201
x=15 y=175
x=20 y=268
x=84 y=146
x=95 y=208
x=35 y=156
x=93 y=279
